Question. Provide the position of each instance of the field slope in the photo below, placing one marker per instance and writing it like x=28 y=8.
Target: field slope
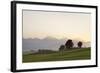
x=74 y=54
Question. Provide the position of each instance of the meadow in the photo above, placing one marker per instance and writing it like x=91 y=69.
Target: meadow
x=73 y=54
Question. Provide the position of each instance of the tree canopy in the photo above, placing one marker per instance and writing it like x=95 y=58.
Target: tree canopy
x=79 y=44
x=69 y=44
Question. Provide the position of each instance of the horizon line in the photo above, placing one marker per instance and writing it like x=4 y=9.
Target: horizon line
x=56 y=38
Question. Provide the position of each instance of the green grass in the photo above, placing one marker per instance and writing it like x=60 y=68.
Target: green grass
x=73 y=54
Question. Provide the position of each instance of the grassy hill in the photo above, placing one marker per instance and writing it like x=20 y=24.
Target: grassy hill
x=73 y=54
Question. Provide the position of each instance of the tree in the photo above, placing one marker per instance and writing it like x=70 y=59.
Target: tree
x=62 y=47
x=79 y=44
x=69 y=44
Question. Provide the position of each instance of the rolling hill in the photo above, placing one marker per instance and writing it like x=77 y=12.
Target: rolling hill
x=73 y=54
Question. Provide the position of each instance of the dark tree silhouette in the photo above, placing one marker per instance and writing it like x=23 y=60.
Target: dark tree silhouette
x=62 y=47
x=79 y=44
x=69 y=44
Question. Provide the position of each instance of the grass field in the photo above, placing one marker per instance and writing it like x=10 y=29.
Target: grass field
x=74 y=54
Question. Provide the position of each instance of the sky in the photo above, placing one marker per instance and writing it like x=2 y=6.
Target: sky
x=41 y=24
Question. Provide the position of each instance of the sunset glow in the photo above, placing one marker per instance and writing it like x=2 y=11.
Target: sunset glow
x=41 y=24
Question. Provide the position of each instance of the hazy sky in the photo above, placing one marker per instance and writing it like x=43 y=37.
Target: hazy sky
x=40 y=24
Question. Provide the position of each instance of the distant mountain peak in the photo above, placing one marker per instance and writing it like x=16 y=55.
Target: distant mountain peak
x=50 y=43
x=51 y=38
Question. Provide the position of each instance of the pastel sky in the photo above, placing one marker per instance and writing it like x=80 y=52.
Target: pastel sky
x=40 y=24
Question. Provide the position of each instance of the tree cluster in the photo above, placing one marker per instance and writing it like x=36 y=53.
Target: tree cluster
x=69 y=44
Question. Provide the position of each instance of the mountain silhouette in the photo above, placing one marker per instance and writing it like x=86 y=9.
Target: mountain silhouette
x=48 y=43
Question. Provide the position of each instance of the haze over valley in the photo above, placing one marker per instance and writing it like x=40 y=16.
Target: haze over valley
x=47 y=43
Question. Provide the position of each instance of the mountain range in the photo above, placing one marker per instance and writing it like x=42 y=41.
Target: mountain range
x=48 y=43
